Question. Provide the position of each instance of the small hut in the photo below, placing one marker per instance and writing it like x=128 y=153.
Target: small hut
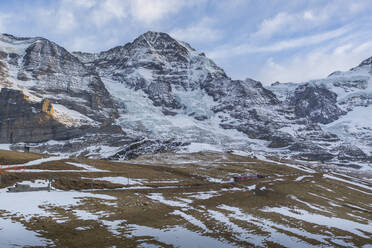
x=247 y=177
x=31 y=148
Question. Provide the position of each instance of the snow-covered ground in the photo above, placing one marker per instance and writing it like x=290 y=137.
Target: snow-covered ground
x=178 y=237
x=71 y=117
x=118 y=180
x=14 y=234
x=5 y=147
x=86 y=167
x=25 y=205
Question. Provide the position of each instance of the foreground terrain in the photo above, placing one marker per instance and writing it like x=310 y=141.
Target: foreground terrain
x=182 y=200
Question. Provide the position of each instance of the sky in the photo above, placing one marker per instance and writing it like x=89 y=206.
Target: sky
x=267 y=40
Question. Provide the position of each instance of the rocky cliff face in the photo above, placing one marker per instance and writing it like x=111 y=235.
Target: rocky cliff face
x=180 y=81
x=158 y=94
x=45 y=69
x=317 y=103
x=24 y=121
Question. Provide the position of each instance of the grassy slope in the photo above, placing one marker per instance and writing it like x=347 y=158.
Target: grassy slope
x=314 y=194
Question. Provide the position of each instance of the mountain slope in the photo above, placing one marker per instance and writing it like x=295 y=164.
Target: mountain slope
x=340 y=104
x=41 y=70
x=171 y=80
x=158 y=94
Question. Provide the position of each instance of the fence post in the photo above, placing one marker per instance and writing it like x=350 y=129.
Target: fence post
x=49 y=183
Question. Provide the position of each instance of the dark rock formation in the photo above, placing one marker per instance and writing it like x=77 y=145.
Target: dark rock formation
x=350 y=153
x=280 y=139
x=24 y=121
x=146 y=146
x=316 y=103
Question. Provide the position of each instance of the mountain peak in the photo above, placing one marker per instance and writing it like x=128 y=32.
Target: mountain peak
x=366 y=62
x=162 y=44
x=157 y=40
x=153 y=35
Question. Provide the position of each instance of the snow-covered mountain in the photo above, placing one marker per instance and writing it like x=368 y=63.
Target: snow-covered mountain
x=158 y=94
x=341 y=105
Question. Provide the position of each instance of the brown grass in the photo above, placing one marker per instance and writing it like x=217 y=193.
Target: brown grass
x=135 y=207
x=12 y=157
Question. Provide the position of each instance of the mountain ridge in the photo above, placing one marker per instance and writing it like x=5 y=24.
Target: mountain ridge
x=160 y=89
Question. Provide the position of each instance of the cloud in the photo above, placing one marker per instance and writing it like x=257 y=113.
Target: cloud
x=155 y=10
x=108 y=10
x=303 y=41
x=308 y=19
x=86 y=43
x=69 y=14
x=200 y=32
x=89 y=43
x=317 y=63
x=270 y=26
x=61 y=18
x=279 y=46
x=283 y=23
x=82 y=3
x=283 y=32
x=66 y=21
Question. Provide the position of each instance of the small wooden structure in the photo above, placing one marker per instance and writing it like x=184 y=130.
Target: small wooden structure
x=247 y=177
x=27 y=188
x=31 y=148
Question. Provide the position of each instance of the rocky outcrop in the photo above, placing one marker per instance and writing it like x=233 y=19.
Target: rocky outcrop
x=146 y=146
x=24 y=121
x=316 y=103
x=280 y=139
x=366 y=62
x=350 y=153
x=310 y=151
x=49 y=69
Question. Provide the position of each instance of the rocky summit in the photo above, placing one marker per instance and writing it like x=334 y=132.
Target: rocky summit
x=158 y=94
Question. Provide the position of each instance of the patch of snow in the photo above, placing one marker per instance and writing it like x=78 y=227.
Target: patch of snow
x=71 y=117
x=203 y=195
x=191 y=219
x=333 y=222
x=251 y=187
x=242 y=153
x=85 y=215
x=118 y=180
x=86 y=167
x=348 y=181
x=361 y=191
x=35 y=162
x=178 y=237
x=275 y=230
x=219 y=180
x=298 y=179
x=5 y=147
x=113 y=226
x=200 y=147
x=308 y=204
x=27 y=204
x=14 y=234
x=36 y=183
x=165 y=181
x=159 y=197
